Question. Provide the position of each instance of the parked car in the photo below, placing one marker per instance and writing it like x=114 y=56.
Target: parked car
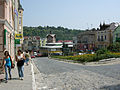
x=39 y=55
x=35 y=53
x=32 y=56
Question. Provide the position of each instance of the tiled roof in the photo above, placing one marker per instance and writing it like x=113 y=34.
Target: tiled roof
x=26 y=37
x=118 y=28
x=38 y=37
x=53 y=35
x=112 y=26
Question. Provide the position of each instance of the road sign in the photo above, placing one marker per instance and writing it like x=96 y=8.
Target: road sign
x=18 y=36
x=17 y=41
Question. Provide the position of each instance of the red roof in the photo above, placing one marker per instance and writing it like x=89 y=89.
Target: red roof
x=38 y=37
x=26 y=37
x=60 y=41
x=68 y=41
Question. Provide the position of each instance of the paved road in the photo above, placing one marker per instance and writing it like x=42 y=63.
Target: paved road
x=58 y=75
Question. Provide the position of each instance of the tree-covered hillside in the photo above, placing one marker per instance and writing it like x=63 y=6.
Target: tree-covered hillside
x=61 y=32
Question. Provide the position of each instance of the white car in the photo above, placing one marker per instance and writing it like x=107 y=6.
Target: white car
x=35 y=53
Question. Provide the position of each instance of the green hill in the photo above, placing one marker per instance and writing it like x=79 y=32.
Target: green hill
x=61 y=32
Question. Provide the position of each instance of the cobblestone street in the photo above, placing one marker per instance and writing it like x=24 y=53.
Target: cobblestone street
x=55 y=75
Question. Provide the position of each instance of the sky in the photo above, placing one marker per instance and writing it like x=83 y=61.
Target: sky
x=73 y=14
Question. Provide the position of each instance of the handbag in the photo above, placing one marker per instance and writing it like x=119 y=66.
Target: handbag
x=21 y=62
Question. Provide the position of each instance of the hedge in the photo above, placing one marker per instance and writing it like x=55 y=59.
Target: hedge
x=89 y=57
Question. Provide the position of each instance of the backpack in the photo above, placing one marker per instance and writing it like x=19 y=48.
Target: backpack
x=21 y=62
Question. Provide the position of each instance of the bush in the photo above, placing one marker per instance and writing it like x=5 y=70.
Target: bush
x=90 y=57
x=115 y=47
x=102 y=51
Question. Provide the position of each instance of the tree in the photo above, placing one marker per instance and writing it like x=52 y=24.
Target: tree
x=115 y=47
x=61 y=32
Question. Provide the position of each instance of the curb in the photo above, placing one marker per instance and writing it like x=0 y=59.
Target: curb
x=33 y=78
x=104 y=61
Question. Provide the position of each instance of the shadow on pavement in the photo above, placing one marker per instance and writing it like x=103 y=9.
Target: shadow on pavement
x=15 y=79
x=2 y=81
x=112 y=87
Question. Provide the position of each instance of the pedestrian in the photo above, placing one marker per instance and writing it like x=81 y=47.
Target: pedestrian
x=20 y=58
x=27 y=57
x=7 y=65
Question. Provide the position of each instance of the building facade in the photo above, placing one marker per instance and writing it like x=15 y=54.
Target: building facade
x=105 y=35
x=6 y=29
x=116 y=35
x=86 y=41
x=20 y=21
x=19 y=28
x=51 y=38
x=31 y=43
x=96 y=39
x=43 y=42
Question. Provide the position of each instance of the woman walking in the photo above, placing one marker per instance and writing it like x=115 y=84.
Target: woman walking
x=7 y=65
x=28 y=58
x=20 y=64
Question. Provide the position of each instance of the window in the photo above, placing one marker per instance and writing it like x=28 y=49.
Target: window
x=105 y=46
x=117 y=35
x=98 y=38
x=101 y=38
x=99 y=46
x=20 y=20
x=105 y=37
x=20 y=28
x=34 y=38
x=78 y=41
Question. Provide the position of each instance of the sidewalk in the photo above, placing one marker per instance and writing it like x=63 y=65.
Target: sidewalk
x=15 y=83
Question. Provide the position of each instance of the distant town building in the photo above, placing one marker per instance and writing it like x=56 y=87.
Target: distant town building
x=105 y=35
x=100 y=38
x=116 y=35
x=86 y=40
x=31 y=43
x=75 y=40
x=43 y=41
x=51 y=38
x=56 y=48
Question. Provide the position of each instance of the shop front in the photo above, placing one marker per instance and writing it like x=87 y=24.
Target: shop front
x=6 y=44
